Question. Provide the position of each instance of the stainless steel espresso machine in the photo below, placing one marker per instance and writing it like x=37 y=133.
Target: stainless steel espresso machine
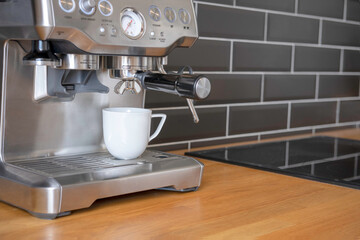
x=62 y=62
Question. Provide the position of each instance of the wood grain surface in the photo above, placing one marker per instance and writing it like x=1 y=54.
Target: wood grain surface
x=232 y=203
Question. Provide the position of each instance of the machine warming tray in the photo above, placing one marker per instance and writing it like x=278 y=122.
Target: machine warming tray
x=325 y=159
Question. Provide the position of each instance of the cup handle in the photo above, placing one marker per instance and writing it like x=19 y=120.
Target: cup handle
x=162 y=121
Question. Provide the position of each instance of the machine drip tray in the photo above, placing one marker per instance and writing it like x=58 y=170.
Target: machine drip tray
x=63 y=166
x=52 y=186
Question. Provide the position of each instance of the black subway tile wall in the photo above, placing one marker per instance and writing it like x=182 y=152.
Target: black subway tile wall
x=240 y=23
x=325 y=8
x=277 y=68
x=350 y=111
x=317 y=59
x=288 y=87
x=331 y=86
x=292 y=29
x=230 y=2
x=261 y=57
x=205 y=55
x=260 y=118
x=353 y=10
x=341 y=33
x=352 y=60
x=279 y=5
x=308 y=114
x=179 y=125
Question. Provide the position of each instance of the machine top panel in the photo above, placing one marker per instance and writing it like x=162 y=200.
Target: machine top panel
x=110 y=27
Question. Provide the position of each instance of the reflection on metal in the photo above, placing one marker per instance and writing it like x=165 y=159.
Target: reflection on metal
x=56 y=78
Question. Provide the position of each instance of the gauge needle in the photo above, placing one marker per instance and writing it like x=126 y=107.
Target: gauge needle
x=128 y=25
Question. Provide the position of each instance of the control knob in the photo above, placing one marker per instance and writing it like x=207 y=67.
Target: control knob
x=87 y=6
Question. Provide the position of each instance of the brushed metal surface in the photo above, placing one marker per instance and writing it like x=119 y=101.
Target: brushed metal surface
x=33 y=129
x=52 y=23
x=50 y=186
x=53 y=159
x=79 y=62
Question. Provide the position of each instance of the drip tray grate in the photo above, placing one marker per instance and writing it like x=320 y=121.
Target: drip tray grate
x=60 y=166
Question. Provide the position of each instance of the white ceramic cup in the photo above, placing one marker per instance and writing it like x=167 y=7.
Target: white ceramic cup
x=127 y=131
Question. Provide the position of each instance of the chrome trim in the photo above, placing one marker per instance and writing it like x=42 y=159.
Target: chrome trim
x=143 y=23
x=79 y=62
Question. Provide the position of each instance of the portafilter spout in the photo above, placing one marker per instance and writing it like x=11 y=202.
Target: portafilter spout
x=124 y=68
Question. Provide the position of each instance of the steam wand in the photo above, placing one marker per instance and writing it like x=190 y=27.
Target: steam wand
x=189 y=101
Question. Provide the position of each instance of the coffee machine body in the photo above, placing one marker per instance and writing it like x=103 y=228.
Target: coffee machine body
x=62 y=62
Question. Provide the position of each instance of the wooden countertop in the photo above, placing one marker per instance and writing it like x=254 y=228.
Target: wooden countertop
x=232 y=203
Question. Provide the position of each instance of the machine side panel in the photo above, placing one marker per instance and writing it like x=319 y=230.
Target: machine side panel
x=32 y=129
x=17 y=20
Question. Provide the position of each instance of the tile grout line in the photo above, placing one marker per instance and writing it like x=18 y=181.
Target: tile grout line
x=266 y=26
x=337 y=111
x=320 y=32
x=234 y=3
x=258 y=133
x=279 y=43
x=340 y=20
x=262 y=88
x=292 y=58
x=317 y=86
x=278 y=73
x=336 y=147
x=189 y=146
x=356 y=164
x=341 y=68
x=311 y=100
x=227 y=121
x=196 y=9
x=296 y=6
x=231 y=56
x=345 y=10
x=289 y=116
x=287 y=154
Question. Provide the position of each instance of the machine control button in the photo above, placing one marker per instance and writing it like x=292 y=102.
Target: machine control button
x=67 y=5
x=184 y=16
x=170 y=14
x=87 y=6
x=152 y=34
x=102 y=29
x=113 y=30
x=105 y=8
x=154 y=13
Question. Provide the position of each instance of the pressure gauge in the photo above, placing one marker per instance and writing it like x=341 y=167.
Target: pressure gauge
x=132 y=23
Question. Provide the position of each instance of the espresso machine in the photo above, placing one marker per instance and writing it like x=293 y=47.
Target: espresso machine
x=62 y=62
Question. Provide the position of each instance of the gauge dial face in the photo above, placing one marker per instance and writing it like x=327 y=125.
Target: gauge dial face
x=170 y=14
x=184 y=16
x=67 y=5
x=105 y=7
x=154 y=13
x=132 y=23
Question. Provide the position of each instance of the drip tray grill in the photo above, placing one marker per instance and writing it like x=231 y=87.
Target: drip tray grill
x=70 y=165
